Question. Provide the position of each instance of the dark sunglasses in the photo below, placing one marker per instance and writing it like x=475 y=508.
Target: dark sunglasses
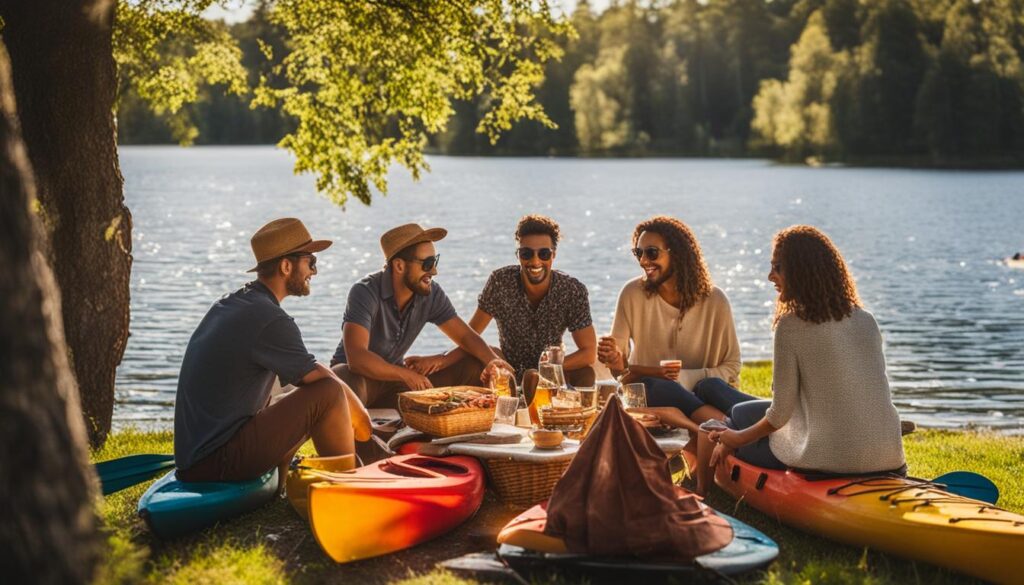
x=526 y=254
x=428 y=263
x=312 y=259
x=651 y=252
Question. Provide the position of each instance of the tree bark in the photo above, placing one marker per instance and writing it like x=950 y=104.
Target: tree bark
x=65 y=83
x=48 y=532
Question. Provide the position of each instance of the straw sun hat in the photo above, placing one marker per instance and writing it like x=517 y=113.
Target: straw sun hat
x=397 y=239
x=282 y=237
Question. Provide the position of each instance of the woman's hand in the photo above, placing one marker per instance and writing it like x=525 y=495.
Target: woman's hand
x=730 y=438
x=719 y=455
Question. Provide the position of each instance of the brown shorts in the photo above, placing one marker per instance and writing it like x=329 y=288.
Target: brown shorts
x=269 y=439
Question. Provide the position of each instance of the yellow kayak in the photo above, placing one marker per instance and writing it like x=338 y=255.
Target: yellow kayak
x=907 y=517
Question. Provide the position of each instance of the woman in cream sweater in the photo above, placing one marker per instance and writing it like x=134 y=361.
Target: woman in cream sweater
x=673 y=315
x=831 y=409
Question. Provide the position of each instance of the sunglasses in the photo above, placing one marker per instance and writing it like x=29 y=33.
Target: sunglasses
x=650 y=252
x=428 y=263
x=526 y=254
x=312 y=259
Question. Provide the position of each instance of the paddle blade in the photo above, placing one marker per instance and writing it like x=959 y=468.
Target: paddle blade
x=118 y=474
x=970 y=485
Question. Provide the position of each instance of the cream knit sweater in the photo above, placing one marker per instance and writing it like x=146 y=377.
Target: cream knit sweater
x=831 y=404
x=704 y=339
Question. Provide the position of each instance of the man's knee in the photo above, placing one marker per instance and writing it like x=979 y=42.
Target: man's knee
x=582 y=377
x=325 y=393
x=354 y=381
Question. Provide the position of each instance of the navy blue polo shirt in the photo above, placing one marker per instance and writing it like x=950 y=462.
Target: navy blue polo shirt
x=243 y=342
x=371 y=304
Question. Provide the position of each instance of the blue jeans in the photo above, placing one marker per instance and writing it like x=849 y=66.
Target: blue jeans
x=743 y=410
x=748 y=414
x=709 y=391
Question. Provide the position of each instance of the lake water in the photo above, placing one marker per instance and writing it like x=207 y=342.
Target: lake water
x=924 y=246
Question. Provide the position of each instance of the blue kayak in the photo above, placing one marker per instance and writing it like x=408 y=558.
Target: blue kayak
x=174 y=508
x=750 y=549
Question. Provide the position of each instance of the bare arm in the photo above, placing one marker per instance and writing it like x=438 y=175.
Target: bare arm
x=357 y=412
x=364 y=362
x=478 y=322
x=470 y=342
x=586 y=349
x=730 y=440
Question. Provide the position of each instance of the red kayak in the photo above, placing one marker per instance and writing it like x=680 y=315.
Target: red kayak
x=392 y=504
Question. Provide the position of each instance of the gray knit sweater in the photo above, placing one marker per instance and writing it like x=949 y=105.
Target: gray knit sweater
x=832 y=405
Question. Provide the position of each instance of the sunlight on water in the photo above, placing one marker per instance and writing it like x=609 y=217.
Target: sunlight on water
x=925 y=247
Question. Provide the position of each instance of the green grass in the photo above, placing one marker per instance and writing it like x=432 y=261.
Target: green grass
x=272 y=545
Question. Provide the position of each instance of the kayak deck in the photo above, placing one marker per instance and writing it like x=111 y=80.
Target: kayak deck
x=906 y=517
x=392 y=504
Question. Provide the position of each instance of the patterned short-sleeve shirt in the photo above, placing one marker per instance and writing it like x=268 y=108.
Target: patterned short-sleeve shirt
x=524 y=331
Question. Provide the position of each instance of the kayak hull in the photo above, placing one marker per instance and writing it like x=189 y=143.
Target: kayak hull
x=901 y=516
x=173 y=508
x=393 y=504
x=525 y=547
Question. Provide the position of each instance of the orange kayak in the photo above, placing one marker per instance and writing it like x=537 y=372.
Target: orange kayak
x=392 y=504
x=907 y=517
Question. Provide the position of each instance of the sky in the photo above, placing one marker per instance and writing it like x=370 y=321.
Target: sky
x=239 y=10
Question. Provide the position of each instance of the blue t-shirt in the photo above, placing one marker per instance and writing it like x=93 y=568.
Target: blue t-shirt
x=243 y=342
x=371 y=304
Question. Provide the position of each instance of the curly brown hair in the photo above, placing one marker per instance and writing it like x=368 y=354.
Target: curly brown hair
x=693 y=281
x=543 y=225
x=818 y=286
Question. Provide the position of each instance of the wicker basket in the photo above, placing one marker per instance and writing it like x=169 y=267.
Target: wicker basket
x=524 y=483
x=460 y=421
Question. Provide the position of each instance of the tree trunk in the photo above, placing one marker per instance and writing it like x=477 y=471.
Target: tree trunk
x=48 y=533
x=65 y=82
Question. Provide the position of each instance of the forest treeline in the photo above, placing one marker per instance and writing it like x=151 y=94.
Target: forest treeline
x=932 y=82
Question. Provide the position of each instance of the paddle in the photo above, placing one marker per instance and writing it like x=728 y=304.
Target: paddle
x=118 y=474
x=969 y=485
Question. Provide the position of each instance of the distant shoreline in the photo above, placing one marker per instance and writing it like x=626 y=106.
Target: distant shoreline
x=915 y=162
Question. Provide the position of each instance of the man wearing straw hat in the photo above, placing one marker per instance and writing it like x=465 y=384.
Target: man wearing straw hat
x=386 y=312
x=225 y=428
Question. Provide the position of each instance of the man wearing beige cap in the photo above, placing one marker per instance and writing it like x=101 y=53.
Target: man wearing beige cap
x=385 y=313
x=225 y=429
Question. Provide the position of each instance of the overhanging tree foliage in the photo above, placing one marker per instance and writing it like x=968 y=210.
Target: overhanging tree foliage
x=366 y=80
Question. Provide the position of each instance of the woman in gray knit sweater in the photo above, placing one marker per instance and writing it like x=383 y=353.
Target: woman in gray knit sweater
x=831 y=409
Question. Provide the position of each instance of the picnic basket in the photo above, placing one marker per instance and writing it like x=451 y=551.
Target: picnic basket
x=424 y=411
x=524 y=483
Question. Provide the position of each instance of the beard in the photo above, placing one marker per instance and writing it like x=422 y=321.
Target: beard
x=296 y=285
x=651 y=285
x=538 y=279
x=416 y=285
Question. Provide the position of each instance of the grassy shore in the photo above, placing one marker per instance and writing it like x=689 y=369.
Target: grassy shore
x=272 y=545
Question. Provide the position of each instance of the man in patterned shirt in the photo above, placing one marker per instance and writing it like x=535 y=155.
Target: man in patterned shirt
x=535 y=305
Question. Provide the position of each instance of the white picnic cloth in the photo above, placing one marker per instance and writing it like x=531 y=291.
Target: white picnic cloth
x=526 y=452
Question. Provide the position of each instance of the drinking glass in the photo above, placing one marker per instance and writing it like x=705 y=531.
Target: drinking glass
x=505 y=411
x=501 y=382
x=566 y=398
x=553 y=354
x=634 y=395
x=551 y=380
x=606 y=388
x=588 y=397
